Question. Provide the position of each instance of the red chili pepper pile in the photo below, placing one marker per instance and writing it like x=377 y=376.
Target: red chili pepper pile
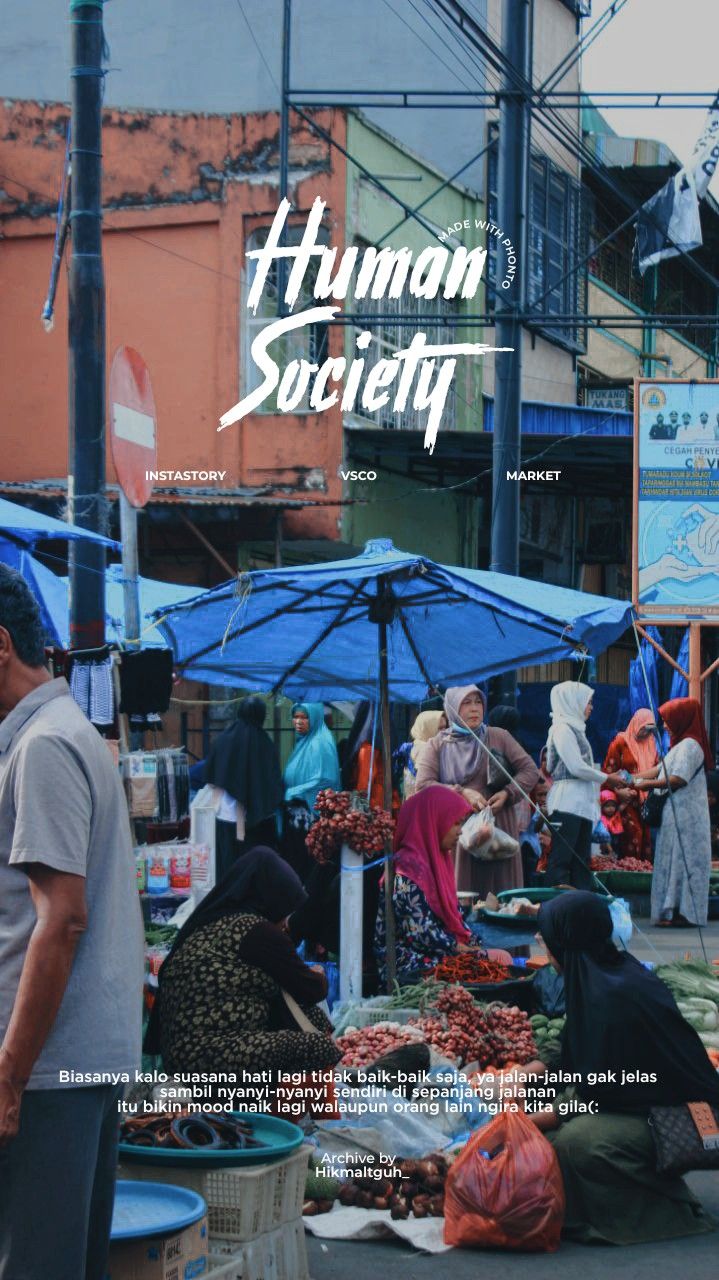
x=344 y=820
x=467 y=967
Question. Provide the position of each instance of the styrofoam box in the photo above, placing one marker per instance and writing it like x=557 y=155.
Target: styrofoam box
x=277 y=1255
x=241 y=1203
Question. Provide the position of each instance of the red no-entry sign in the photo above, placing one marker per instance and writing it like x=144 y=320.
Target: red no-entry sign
x=133 y=425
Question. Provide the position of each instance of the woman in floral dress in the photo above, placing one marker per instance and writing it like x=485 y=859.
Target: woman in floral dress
x=428 y=922
x=221 y=1003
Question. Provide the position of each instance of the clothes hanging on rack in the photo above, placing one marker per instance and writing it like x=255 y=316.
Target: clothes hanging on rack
x=91 y=685
x=145 y=682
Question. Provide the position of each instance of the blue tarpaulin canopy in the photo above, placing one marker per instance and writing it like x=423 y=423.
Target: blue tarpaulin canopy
x=27 y=527
x=52 y=594
x=312 y=631
x=49 y=590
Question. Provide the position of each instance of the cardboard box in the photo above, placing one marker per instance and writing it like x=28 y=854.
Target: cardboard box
x=178 y=1257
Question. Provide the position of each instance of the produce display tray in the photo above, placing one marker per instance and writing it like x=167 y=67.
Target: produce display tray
x=153 y=1209
x=280 y=1138
x=623 y=882
x=534 y=895
x=241 y=1203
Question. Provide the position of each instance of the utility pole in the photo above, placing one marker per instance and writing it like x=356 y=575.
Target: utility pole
x=284 y=147
x=86 y=330
x=509 y=304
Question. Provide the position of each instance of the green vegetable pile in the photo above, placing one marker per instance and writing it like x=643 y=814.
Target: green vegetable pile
x=317 y=1187
x=545 y=1030
x=695 y=987
x=419 y=996
x=160 y=935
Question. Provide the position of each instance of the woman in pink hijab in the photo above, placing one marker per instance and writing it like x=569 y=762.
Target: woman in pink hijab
x=428 y=922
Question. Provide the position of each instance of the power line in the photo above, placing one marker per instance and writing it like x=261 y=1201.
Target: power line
x=257 y=46
x=560 y=131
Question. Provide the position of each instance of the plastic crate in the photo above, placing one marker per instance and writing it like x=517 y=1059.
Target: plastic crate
x=369 y=1017
x=277 y=1255
x=241 y=1203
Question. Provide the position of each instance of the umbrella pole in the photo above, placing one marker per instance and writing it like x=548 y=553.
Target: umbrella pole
x=391 y=959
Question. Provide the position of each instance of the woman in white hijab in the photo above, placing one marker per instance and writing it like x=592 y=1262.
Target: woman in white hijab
x=573 y=801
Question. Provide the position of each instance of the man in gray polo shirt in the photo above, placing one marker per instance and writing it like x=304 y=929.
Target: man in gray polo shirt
x=70 y=964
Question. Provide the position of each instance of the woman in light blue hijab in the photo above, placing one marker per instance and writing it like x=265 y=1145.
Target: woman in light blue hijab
x=314 y=764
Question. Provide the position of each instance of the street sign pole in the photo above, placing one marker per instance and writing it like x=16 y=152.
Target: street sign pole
x=130 y=589
x=133 y=438
x=130 y=571
x=86 y=332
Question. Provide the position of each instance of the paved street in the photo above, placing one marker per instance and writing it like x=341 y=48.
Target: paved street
x=696 y=1257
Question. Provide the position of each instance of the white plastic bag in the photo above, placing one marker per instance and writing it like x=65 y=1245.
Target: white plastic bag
x=472 y=838
x=622 y=922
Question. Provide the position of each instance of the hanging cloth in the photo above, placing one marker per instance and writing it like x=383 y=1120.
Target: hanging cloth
x=145 y=681
x=91 y=687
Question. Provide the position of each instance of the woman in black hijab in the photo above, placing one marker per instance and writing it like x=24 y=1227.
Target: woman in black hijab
x=631 y=1050
x=221 y=1003
x=244 y=764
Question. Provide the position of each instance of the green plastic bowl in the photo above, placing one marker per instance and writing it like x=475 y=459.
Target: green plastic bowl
x=280 y=1138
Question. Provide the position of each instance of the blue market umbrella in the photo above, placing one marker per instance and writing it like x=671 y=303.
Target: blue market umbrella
x=27 y=527
x=49 y=590
x=52 y=595
x=385 y=622
x=317 y=631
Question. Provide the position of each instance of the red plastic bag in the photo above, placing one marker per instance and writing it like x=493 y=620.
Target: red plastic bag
x=505 y=1189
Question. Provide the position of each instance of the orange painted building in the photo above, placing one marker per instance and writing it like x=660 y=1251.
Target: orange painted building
x=182 y=195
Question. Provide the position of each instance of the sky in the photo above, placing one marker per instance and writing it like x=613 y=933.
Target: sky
x=653 y=45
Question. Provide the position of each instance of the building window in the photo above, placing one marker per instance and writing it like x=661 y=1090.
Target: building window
x=388 y=336
x=612 y=263
x=580 y=8
x=555 y=241
x=309 y=343
x=678 y=291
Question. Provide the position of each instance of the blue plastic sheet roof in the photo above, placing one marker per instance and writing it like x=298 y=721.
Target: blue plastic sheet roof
x=308 y=632
x=51 y=593
x=28 y=527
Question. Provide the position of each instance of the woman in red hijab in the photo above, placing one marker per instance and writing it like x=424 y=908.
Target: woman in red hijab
x=682 y=863
x=428 y=922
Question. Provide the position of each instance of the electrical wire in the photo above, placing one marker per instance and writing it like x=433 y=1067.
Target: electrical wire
x=256 y=43
x=560 y=132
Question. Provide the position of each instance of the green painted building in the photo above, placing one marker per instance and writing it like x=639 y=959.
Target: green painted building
x=412 y=499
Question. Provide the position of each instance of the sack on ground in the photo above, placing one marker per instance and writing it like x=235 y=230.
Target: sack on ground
x=505 y=1190
x=473 y=838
